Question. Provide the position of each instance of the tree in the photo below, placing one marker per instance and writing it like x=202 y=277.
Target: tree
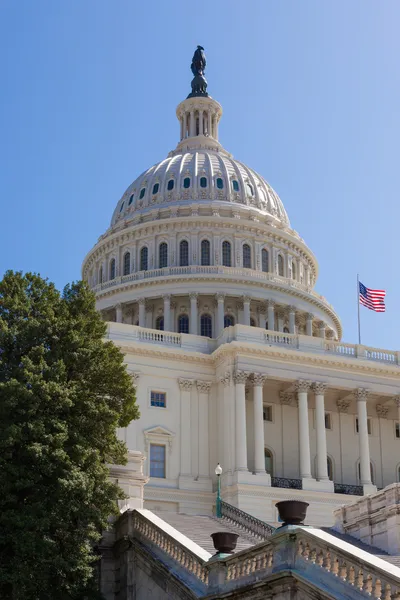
x=64 y=390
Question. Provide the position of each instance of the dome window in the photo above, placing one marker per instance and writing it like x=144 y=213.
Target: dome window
x=205 y=253
x=235 y=185
x=144 y=256
x=156 y=187
x=250 y=190
x=160 y=323
x=203 y=182
x=294 y=272
x=127 y=263
x=246 y=256
x=101 y=275
x=264 y=260
x=122 y=207
x=183 y=253
x=220 y=183
x=281 y=270
x=112 y=268
x=131 y=199
x=186 y=183
x=170 y=185
x=229 y=320
x=183 y=324
x=142 y=193
x=163 y=255
x=253 y=323
x=226 y=254
x=206 y=326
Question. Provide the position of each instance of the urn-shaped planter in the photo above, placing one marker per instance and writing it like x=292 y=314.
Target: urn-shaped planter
x=292 y=512
x=224 y=541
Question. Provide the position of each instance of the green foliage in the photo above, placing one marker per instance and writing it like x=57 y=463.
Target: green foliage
x=63 y=392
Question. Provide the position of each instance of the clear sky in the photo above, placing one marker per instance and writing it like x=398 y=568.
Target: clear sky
x=311 y=97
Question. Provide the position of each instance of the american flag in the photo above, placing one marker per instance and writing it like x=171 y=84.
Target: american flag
x=372 y=299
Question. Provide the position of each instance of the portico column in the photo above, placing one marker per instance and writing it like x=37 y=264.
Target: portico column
x=309 y=323
x=292 y=319
x=118 y=313
x=271 y=315
x=302 y=388
x=246 y=310
x=259 y=446
x=142 y=312
x=321 y=329
x=240 y=421
x=167 y=312
x=203 y=388
x=186 y=458
x=193 y=313
x=322 y=459
x=220 y=312
x=365 y=469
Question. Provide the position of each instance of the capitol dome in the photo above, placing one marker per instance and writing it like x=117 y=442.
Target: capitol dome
x=202 y=225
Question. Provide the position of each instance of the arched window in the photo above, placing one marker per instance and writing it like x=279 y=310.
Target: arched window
x=235 y=185
x=226 y=254
x=156 y=187
x=371 y=470
x=285 y=330
x=127 y=263
x=294 y=272
x=206 y=325
x=266 y=324
x=184 y=253
x=264 y=260
x=220 y=183
x=329 y=465
x=249 y=189
x=144 y=255
x=186 y=183
x=246 y=256
x=229 y=320
x=163 y=255
x=203 y=182
x=205 y=252
x=142 y=193
x=280 y=265
x=112 y=268
x=253 y=322
x=101 y=275
x=269 y=461
x=131 y=199
x=170 y=185
x=122 y=207
x=183 y=324
x=160 y=323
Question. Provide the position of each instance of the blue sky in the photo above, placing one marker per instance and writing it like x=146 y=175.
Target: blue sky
x=311 y=96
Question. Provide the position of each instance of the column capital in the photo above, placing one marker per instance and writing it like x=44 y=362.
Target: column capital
x=246 y=298
x=343 y=404
x=225 y=379
x=193 y=295
x=302 y=385
x=286 y=398
x=185 y=384
x=382 y=411
x=173 y=305
x=258 y=379
x=396 y=400
x=309 y=316
x=322 y=325
x=271 y=303
x=319 y=388
x=220 y=297
x=240 y=377
x=360 y=395
x=166 y=297
x=142 y=301
x=118 y=305
x=135 y=376
x=203 y=387
x=291 y=309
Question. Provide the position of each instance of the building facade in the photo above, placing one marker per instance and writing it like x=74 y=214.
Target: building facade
x=236 y=358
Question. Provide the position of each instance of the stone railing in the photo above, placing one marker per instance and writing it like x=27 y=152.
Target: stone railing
x=159 y=337
x=282 y=482
x=365 y=352
x=343 y=488
x=276 y=337
x=246 y=522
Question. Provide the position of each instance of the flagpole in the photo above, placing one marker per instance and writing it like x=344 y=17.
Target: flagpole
x=358 y=309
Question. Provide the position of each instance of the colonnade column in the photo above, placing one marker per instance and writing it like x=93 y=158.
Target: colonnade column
x=191 y=124
x=209 y=131
x=292 y=319
x=321 y=329
x=167 y=312
x=259 y=451
x=201 y=116
x=365 y=469
x=322 y=462
x=246 y=310
x=186 y=457
x=118 y=313
x=220 y=313
x=203 y=388
x=302 y=388
x=309 y=323
x=271 y=315
x=142 y=312
x=193 y=313
x=240 y=421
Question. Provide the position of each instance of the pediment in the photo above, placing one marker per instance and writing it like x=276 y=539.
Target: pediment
x=158 y=430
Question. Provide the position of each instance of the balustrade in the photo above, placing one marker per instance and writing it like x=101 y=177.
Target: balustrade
x=246 y=522
x=283 y=482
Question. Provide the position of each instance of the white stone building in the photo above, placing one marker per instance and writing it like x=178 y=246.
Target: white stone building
x=237 y=359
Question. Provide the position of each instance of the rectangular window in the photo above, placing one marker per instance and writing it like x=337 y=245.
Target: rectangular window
x=158 y=399
x=157 y=461
x=328 y=421
x=397 y=429
x=268 y=413
x=369 y=426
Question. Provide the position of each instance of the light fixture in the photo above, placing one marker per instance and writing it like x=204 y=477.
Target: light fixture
x=218 y=470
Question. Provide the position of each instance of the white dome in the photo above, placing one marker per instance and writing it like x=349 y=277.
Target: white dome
x=201 y=175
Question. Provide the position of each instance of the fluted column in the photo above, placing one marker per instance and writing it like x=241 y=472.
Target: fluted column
x=259 y=444
x=203 y=388
x=226 y=443
x=246 y=310
x=365 y=469
x=201 y=122
x=186 y=455
x=292 y=319
x=167 y=312
x=240 y=421
x=302 y=388
x=271 y=315
x=193 y=313
x=209 y=131
x=220 y=313
x=322 y=458
x=118 y=313
x=309 y=323
x=191 y=124
x=142 y=312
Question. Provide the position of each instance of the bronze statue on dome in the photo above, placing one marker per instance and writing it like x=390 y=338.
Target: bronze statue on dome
x=199 y=82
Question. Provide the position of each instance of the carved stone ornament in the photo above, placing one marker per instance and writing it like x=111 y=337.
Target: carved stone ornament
x=167 y=297
x=246 y=298
x=185 y=384
x=193 y=295
x=258 y=379
x=319 y=388
x=135 y=377
x=240 y=377
x=220 y=297
x=286 y=398
x=203 y=387
x=343 y=404
x=225 y=379
x=142 y=301
x=360 y=394
x=302 y=385
x=382 y=411
x=271 y=303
